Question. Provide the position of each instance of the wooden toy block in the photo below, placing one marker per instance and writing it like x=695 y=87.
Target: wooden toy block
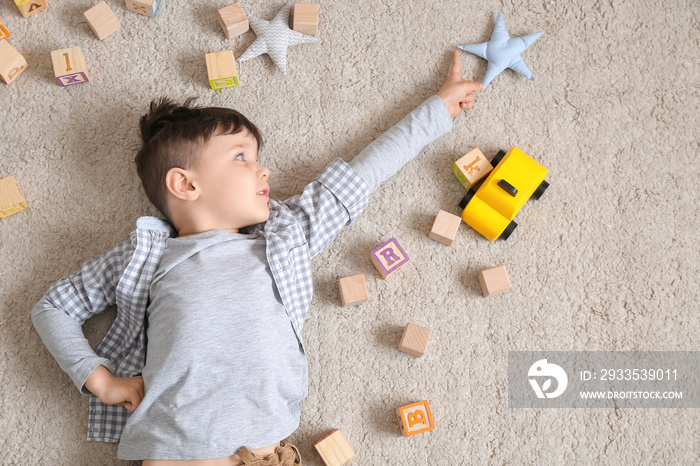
x=4 y=33
x=12 y=63
x=305 y=18
x=494 y=280
x=221 y=68
x=334 y=449
x=11 y=197
x=69 y=66
x=101 y=20
x=415 y=418
x=144 y=7
x=415 y=339
x=353 y=290
x=445 y=228
x=389 y=258
x=233 y=20
x=472 y=167
x=29 y=7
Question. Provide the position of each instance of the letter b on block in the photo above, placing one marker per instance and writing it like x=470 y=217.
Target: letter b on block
x=415 y=418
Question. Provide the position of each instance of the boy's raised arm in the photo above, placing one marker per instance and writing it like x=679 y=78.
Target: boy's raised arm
x=59 y=315
x=342 y=190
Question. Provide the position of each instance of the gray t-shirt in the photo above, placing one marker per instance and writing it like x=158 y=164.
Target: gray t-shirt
x=223 y=368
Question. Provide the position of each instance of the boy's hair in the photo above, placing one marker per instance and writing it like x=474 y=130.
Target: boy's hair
x=174 y=136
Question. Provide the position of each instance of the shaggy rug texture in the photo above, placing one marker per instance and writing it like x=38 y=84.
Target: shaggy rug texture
x=606 y=260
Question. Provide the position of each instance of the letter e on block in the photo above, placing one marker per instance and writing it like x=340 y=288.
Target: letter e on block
x=389 y=258
x=415 y=418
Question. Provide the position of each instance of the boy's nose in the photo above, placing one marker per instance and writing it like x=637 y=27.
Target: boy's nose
x=264 y=172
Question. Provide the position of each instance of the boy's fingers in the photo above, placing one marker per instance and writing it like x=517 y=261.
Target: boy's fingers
x=455 y=70
x=471 y=86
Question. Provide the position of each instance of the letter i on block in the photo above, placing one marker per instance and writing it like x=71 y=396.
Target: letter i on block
x=415 y=418
x=389 y=258
x=221 y=68
x=12 y=63
x=11 y=197
x=471 y=168
x=4 y=33
x=334 y=449
x=69 y=66
x=144 y=7
x=29 y=7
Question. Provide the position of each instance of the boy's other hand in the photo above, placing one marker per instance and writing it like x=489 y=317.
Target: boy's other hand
x=111 y=390
x=457 y=93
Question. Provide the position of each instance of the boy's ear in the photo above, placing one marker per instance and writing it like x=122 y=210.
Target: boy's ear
x=180 y=184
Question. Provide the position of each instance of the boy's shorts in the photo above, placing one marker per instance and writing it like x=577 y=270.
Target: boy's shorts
x=287 y=454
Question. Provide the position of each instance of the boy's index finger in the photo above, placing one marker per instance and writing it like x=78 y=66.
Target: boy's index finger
x=472 y=86
x=456 y=70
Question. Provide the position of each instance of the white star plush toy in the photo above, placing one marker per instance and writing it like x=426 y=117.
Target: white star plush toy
x=273 y=38
x=503 y=51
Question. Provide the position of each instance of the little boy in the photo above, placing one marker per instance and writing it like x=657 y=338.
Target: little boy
x=205 y=361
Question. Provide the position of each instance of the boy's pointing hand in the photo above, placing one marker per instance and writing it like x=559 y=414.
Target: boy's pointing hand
x=457 y=93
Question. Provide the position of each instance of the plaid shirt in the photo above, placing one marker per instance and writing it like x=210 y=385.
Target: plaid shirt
x=296 y=230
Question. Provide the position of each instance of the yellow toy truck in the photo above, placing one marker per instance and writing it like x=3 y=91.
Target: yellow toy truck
x=490 y=208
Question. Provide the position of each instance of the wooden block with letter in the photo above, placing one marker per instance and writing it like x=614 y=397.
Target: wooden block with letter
x=445 y=227
x=144 y=7
x=415 y=340
x=29 y=7
x=494 y=280
x=389 y=258
x=305 y=18
x=471 y=168
x=334 y=449
x=11 y=197
x=221 y=68
x=415 y=418
x=4 y=33
x=101 y=20
x=12 y=63
x=69 y=66
x=353 y=290
x=233 y=20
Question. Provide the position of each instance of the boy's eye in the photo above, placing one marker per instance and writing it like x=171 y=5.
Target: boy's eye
x=240 y=157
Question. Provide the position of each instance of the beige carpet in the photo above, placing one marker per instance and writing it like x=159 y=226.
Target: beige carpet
x=606 y=260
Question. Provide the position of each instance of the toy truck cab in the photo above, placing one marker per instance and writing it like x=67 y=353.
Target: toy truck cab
x=515 y=179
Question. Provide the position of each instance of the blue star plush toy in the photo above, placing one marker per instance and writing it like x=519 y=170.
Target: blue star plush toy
x=502 y=51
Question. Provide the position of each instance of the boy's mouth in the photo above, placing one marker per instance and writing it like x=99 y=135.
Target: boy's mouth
x=264 y=192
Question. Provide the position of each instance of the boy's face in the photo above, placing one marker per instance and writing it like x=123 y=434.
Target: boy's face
x=233 y=185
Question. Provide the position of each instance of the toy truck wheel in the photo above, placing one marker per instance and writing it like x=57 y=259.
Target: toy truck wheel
x=509 y=230
x=540 y=190
x=465 y=200
x=498 y=158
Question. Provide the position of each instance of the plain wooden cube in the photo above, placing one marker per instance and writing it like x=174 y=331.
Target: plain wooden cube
x=11 y=197
x=445 y=228
x=471 y=167
x=414 y=340
x=334 y=449
x=101 y=20
x=69 y=66
x=415 y=418
x=233 y=20
x=494 y=280
x=389 y=258
x=221 y=68
x=4 y=33
x=12 y=63
x=305 y=18
x=353 y=290
x=29 y=7
x=145 y=7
